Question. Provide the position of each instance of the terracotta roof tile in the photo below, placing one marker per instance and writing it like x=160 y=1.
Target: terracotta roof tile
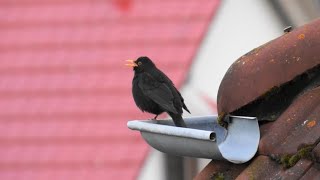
x=289 y=146
x=296 y=128
x=65 y=93
x=316 y=152
x=290 y=130
x=215 y=168
x=312 y=174
x=296 y=171
x=254 y=170
x=264 y=168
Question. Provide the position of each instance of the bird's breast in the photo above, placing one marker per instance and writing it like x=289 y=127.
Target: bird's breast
x=142 y=101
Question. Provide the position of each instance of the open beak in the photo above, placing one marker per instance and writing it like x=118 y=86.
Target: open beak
x=131 y=63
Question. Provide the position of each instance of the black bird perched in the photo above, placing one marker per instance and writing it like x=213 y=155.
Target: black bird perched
x=154 y=92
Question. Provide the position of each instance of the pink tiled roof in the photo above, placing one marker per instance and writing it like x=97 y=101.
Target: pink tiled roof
x=65 y=94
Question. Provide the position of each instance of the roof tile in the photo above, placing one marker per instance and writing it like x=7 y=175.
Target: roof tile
x=312 y=174
x=297 y=127
x=316 y=152
x=215 y=168
x=63 y=84
x=290 y=130
x=297 y=171
x=289 y=147
x=254 y=170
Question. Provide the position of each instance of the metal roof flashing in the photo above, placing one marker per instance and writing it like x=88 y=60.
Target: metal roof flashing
x=203 y=137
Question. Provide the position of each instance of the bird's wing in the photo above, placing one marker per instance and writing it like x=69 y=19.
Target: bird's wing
x=159 y=92
x=164 y=78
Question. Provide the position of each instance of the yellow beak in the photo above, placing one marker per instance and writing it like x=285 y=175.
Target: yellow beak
x=131 y=63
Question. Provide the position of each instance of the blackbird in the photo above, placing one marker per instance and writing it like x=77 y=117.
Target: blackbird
x=154 y=92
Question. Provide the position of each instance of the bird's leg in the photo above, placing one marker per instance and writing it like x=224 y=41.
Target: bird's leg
x=155 y=118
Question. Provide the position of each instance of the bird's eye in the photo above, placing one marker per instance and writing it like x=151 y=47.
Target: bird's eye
x=139 y=63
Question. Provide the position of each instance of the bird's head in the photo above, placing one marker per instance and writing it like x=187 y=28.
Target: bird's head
x=141 y=64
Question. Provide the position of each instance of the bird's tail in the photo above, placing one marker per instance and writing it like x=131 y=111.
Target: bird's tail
x=178 y=120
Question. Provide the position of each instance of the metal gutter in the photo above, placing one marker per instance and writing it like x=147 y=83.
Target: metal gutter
x=203 y=138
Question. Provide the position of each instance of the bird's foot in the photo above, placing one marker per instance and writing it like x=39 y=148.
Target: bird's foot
x=155 y=118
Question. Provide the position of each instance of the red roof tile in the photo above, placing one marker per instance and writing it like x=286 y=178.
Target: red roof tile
x=297 y=127
x=312 y=174
x=289 y=147
x=304 y=109
x=65 y=94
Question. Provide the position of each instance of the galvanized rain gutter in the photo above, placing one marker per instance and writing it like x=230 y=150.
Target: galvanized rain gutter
x=203 y=138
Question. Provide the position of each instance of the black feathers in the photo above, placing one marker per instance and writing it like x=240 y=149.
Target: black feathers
x=154 y=92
